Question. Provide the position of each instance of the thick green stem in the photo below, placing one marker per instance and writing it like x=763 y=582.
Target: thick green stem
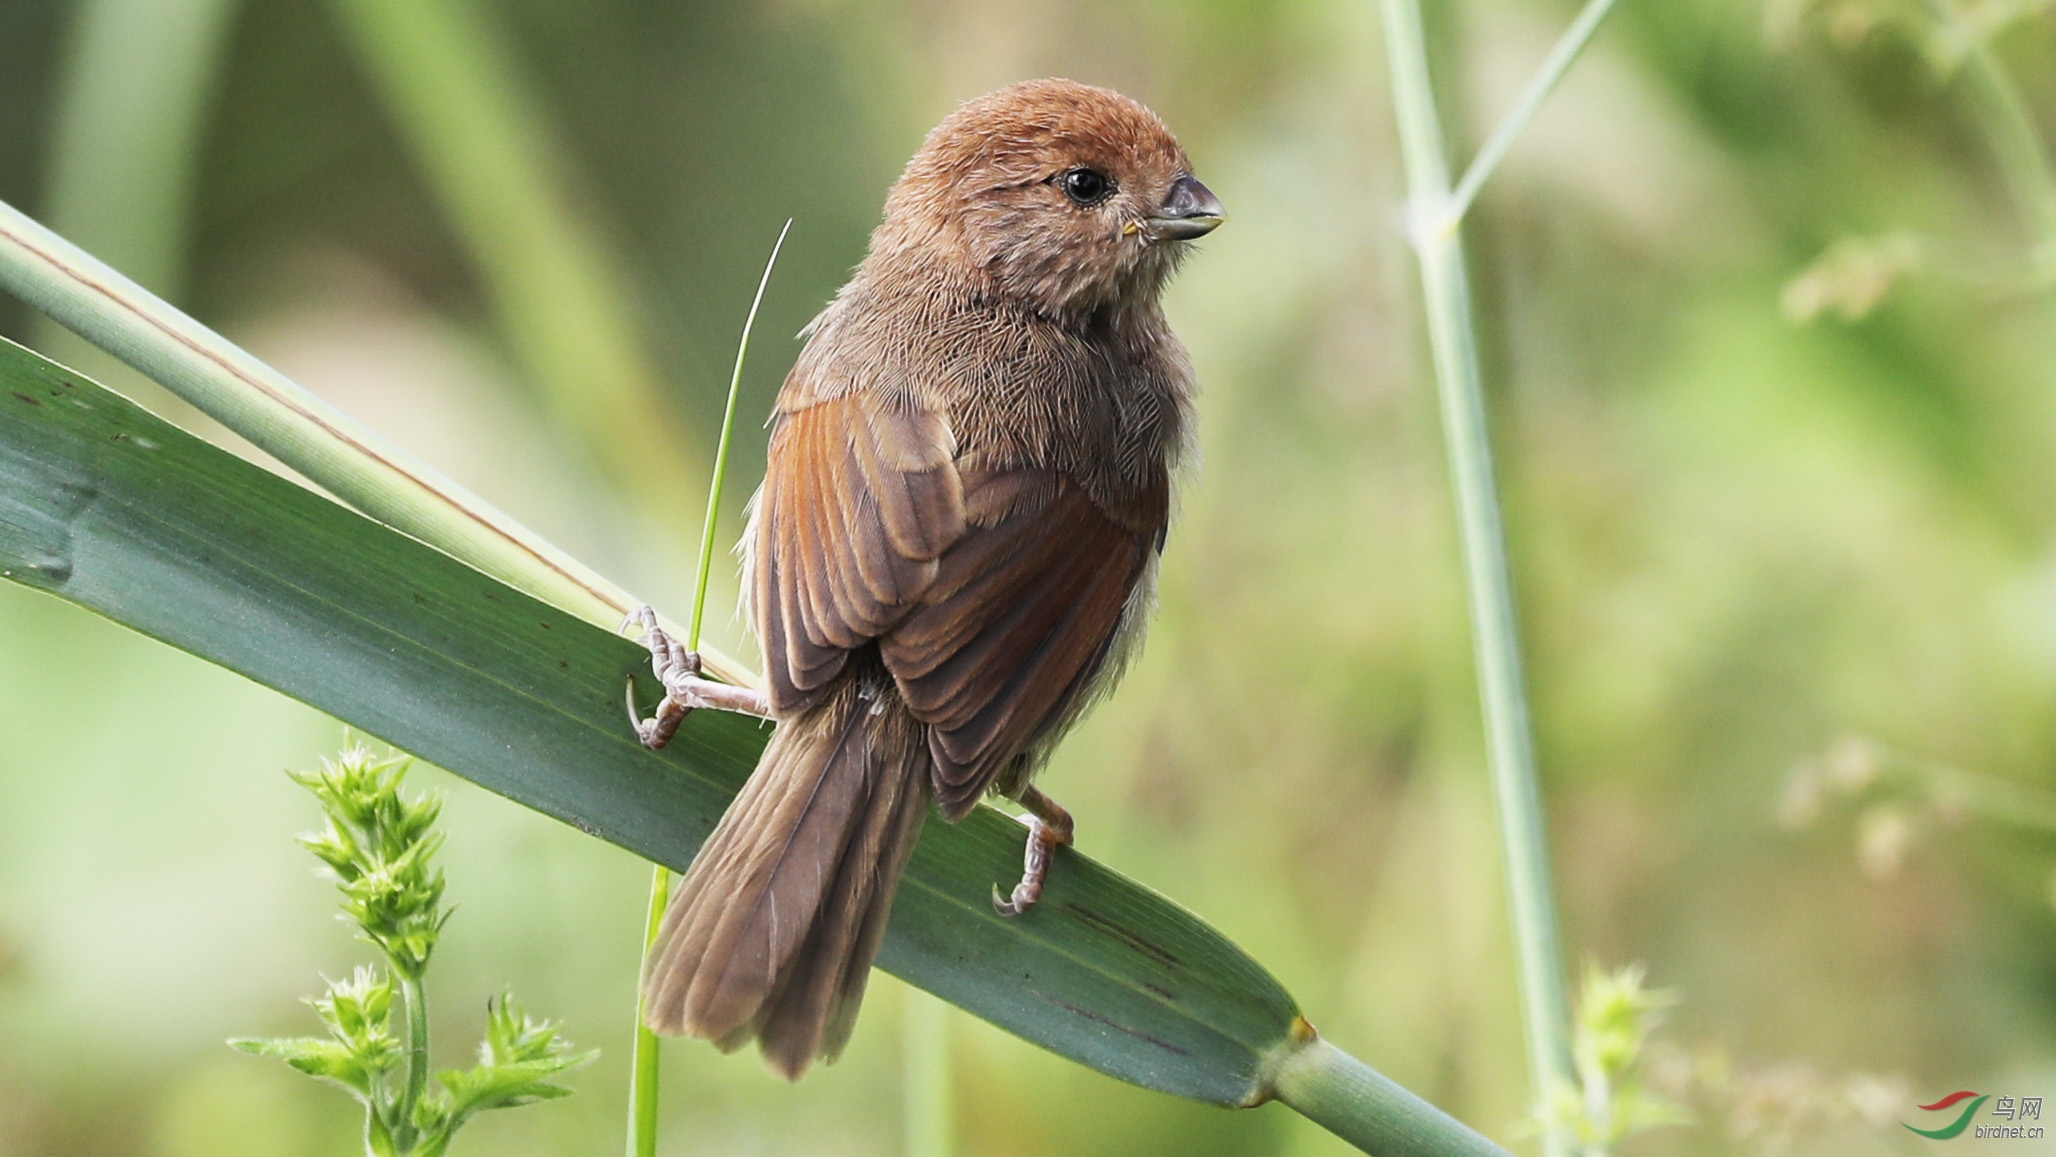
x=1358 y=1104
x=1437 y=239
x=415 y=994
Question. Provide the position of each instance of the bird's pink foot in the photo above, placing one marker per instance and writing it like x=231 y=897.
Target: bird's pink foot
x=1048 y=825
x=684 y=689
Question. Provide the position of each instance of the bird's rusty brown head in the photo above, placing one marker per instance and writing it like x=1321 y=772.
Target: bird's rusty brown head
x=1063 y=195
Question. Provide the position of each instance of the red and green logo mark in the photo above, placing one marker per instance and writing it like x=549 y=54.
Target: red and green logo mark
x=1962 y=1120
x=2012 y=1110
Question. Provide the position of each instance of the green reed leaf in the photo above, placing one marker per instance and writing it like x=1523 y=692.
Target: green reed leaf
x=115 y=510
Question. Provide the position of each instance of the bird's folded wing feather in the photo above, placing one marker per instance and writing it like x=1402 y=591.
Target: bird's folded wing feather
x=993 y=594
x=1020 y=615
x=859 y=502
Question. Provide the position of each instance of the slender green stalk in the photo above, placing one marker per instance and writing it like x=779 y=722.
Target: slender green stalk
x=642 y=1088
x=642 y=1095
x=284 y=420
x=742 y=350
x=1509 y=742
x=1537 y=93
x=925 y=1032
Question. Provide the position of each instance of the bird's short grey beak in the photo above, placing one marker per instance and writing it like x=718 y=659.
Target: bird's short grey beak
x=1191 y=210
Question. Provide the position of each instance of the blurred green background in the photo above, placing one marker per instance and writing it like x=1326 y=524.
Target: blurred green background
x=518 y=237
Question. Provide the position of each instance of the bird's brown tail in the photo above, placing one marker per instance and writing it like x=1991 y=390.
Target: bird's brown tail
x=771 y=933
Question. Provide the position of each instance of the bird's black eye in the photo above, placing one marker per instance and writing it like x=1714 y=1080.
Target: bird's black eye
x=1086 y=186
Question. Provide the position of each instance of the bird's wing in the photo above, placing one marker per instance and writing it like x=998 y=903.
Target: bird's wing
x=993 y=594
x=860 y=500
x=1019 y=616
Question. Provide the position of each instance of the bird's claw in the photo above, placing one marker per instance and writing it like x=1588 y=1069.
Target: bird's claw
x=1048 y=826
x=685 y=688
x=675 y=667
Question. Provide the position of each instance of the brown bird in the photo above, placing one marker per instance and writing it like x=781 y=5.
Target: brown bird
x=953 y=550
